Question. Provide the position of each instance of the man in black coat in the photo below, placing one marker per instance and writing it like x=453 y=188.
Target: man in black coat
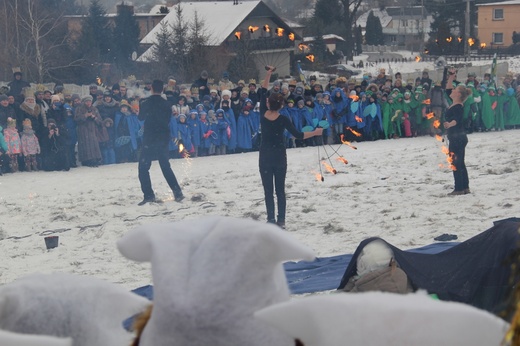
x=156 y=113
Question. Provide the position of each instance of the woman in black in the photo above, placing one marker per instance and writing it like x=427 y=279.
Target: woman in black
x=273 y=157
x=456 y=134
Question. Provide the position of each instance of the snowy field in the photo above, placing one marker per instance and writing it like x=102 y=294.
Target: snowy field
x=393 y=189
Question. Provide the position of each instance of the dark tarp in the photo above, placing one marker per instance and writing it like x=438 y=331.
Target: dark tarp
x=475 y=272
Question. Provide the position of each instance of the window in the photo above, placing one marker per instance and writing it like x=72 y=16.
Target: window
x=498 y=14
x=498 y=38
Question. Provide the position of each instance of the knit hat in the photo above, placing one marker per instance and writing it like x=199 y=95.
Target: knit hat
x=3 y=97
x=124 y=103
x=27 y=123
x=51 y=121
x=184 y=309
x=107 y=93
x=11 y=122
x=182 y=116
x=109 y=122
x=75 y=97
x=55 y=98
x=86 y=98
x=226 y=92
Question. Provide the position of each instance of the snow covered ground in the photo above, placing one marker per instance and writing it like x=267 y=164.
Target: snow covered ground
x=394 y=189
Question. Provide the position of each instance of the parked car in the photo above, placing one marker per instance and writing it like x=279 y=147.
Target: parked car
x=342 y=70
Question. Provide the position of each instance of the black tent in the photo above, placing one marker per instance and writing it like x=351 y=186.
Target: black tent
x=476 y=272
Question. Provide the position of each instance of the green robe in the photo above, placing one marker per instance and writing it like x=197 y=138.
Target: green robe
x=499 y=112
x=387 y=124
x=512 y=117
x=488 y=114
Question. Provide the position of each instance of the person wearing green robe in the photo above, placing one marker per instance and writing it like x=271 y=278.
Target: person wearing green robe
x=409 y=107
x=512 y=116
x=501 y=98
x=488 y=108
x=386 y=108
x=397 y=115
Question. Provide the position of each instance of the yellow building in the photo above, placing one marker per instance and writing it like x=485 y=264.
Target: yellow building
x=497 y=21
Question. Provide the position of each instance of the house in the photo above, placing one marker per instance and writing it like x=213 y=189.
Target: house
x=146 y=21
x=402 y=26
x=497 y=22
x=233 y=25
x=331 y=41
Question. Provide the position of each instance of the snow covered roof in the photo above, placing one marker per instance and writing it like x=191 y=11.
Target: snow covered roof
x=220 y=18
x=510 y=2
x=407 y=11
x=381 y=14
x=325 y=37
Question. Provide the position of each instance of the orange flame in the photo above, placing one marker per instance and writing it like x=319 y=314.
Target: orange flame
x=267 y=28
x=303 y=47
x=430 y=115
x=483 y=45
x=238 y=35
x=291 y=36
x=99 y=81
x=417 y=58
x=318 y=176
x=354 y=98
x=426 y=102
x=359 y=119
x=310 y=57
x=436 y=123
x=342 y=159
x=449 y=39
x=279 y=32
x=439 y=138
x=357 y=134
x=252 y=28
x=346 y=142
x=459 y=39
x=329 y=167
x=181 y=148
x=471 y=42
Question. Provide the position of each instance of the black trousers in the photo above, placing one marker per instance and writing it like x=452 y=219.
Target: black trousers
x=273 y=178
x=149 y=153
x=460 y=174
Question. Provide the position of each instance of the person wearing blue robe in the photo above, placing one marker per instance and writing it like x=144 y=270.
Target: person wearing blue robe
x=327 y=109
x=196 y=135
x=341 y=104
x=245 y=129
x=311 y=119
x=290 y=112
x=128 y=135
x=184 y=136
x=223 y=132
x=230 y=118
x=206 y=131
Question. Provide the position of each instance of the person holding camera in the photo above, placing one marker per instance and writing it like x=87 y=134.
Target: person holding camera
x=88 y=119
x=155 y=111
x=54 y=148
x=457 y=137
x=273 y=156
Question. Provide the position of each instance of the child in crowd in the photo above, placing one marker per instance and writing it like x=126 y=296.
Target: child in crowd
x=30 y=146
x=107 y=147
x=12 y=138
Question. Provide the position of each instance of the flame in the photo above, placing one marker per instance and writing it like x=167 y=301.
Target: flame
x=359 y=119
x=291 y=36
x=439 y=138
x=354 y=98
x=303 y=47
x=266 y=28
x=238 y=35
x=99 y=81
x=436 y=123
x=252 y=28
x=417 y=58
x=459 y=39
x=471 y=42
x=310 y=57
x=181 y=148
x=342 y=159
x=346 y=142
x=279 y=32
x=357 y=134
x=430 y=115
x=329 y=167
x=483 y=45
x=426 y=102
x=449 y=39
x=426 y=51
x=318 y=176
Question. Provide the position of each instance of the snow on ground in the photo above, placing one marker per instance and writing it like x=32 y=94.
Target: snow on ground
x=394 y=189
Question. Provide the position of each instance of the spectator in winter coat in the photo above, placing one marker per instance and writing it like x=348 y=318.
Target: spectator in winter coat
x=17 y=85
x=107 y=107
x=201 y=84
x=4 y=158
x=88 y=119
x=54 y=148
x=30 y=146
x=12 y=138
x=5 y=111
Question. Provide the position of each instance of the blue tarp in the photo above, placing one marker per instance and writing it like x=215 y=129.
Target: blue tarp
x=322 y=274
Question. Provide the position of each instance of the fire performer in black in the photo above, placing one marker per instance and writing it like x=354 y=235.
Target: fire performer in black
x=457 y=137
x=156 y=113
x=273 y=156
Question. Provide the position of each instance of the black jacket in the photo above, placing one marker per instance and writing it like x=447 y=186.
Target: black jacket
x=156 y=113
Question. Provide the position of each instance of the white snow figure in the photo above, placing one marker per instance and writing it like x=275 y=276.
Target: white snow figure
x=378 y=318
x=14 y=339
x=88 y=310
x=210 y=275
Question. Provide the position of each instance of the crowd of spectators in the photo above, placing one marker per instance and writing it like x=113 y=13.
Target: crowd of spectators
x=43 y=129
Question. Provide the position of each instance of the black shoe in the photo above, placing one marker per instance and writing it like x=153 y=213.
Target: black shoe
x=147 y=200
x=281 y=224
x=179 y=198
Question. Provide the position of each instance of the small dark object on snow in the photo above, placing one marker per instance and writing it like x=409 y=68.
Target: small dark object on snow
x=51 y=241
x=446 y=237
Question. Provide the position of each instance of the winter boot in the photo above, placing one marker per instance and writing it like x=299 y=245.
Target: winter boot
x=13 y=164
x=27 y=160
x=34 y=163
